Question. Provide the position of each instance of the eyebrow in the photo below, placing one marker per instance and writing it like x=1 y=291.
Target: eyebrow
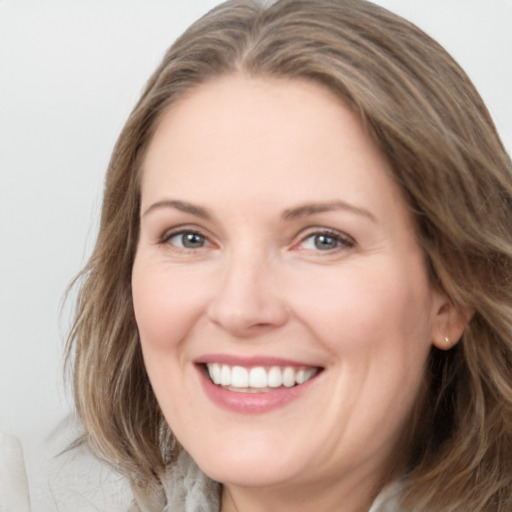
x=308 y=209
x=179 y=205
x=303 y=210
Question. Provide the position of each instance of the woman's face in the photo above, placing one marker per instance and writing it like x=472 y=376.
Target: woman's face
x=277 y=253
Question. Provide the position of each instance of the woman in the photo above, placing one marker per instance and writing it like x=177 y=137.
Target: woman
x=300 y=294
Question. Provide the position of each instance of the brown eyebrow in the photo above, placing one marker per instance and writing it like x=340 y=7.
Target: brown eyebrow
x=288 y=214
x=180 y=205
x=312 y=208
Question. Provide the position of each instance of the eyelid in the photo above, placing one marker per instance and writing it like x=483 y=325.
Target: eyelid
x=345 y=241
x=182 y=229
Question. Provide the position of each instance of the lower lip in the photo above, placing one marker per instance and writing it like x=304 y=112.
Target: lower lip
x=251 y=403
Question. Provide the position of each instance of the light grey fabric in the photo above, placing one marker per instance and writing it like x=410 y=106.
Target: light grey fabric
x=194 y=490
x=14 y=495
x=388 y=499
x=65 y=479
x=187 y=489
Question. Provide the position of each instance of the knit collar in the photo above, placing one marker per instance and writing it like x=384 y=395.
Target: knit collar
x=185 y=489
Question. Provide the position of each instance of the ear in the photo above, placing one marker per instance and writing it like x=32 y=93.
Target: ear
x=449 y=322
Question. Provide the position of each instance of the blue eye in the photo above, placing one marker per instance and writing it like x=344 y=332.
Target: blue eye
x=188 y=240
x=325 y=241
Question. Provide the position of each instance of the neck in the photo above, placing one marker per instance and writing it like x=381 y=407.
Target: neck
x=330 y=498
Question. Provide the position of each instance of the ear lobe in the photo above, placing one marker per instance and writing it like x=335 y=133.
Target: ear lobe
x=449 y=324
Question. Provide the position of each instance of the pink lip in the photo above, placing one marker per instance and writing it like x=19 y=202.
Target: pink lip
x=250 y=403
x=249 y=361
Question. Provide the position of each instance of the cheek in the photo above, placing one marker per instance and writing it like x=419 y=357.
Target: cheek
x=166 y=305
x=377 y=327
x=367 y=308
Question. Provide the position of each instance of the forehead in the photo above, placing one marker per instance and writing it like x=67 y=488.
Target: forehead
x=249 y=135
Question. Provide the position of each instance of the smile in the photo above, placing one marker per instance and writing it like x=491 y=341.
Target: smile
x=253 y=385
x=258 y=379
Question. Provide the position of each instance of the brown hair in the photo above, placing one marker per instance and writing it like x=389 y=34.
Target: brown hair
x=455 y=174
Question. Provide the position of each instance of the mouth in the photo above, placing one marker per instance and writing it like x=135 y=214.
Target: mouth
x=257 y=384
x=258 y=379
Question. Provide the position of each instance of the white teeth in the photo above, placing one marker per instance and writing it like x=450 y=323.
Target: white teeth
x=239 y=377
x=225 y=375
x=288 y=377
x=300 y=376
x=214 y=371
x=275 y=377
x=258 y=377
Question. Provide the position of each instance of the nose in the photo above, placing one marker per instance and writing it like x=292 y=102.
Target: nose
x=248 y=301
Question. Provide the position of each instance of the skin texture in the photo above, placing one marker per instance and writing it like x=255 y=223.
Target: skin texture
x=258 y=283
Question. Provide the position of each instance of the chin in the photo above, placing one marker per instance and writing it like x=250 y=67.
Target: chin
x=248 y=474
x=248 y=467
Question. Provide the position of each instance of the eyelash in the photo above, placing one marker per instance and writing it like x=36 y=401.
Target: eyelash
x=341 y=240
x=169 y=235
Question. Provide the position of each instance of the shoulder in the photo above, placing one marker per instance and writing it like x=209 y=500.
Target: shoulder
x=67 y=476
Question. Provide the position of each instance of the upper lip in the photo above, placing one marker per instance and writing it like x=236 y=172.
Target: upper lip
x=234 y=360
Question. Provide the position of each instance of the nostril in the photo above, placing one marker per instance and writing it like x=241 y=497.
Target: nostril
x=247 y=319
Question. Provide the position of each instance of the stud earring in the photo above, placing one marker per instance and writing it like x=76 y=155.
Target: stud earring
x=447 y=340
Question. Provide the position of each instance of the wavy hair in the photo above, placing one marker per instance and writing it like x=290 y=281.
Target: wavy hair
x=446 y=156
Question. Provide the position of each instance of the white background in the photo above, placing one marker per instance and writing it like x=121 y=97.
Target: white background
x=70 y=72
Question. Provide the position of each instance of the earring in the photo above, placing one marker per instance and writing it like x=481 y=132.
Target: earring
x=447 y=340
